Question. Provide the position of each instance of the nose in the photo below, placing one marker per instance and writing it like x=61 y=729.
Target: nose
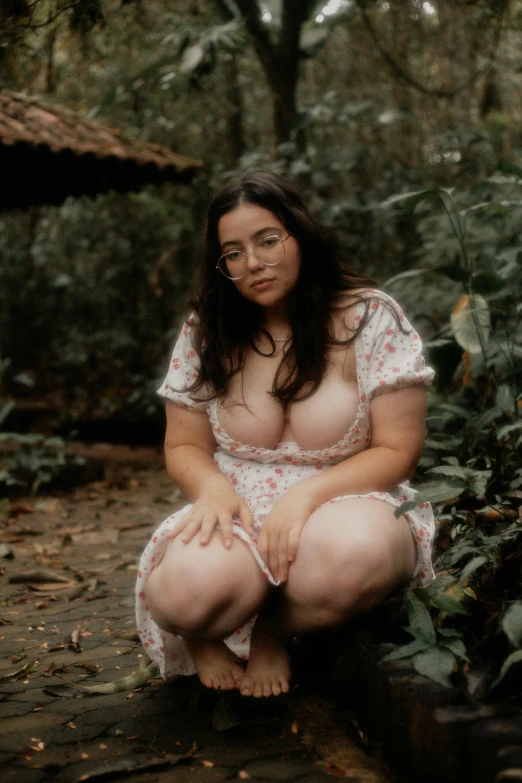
x=253 y=261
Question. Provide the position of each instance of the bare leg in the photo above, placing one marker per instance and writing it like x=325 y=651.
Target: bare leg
x=203 y=593
x=352 y=555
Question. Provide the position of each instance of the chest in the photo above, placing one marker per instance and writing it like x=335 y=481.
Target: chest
x=252 y=416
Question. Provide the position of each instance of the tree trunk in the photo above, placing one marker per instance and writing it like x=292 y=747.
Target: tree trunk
x=280 y=59
x=236 y=136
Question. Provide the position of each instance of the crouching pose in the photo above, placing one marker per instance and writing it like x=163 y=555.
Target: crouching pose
x=296 y=409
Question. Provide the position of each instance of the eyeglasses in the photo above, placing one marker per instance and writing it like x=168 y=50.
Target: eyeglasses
x=269 y=250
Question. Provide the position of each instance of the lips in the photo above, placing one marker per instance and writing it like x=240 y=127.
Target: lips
x=261 y=282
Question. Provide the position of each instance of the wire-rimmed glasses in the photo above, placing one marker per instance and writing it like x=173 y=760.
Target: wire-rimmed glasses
x=269 y=250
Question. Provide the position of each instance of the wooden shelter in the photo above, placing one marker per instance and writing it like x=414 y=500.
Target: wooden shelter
x=49 y=153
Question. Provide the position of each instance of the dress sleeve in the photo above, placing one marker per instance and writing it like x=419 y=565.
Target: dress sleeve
x=391 y=350
x=183 y=371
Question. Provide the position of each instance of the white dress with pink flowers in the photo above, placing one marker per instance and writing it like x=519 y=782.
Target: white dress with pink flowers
x=387 y=358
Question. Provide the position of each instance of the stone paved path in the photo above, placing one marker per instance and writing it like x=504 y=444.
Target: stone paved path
x=81 y=632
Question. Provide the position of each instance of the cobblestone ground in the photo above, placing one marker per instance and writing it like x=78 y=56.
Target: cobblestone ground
x=66 y=619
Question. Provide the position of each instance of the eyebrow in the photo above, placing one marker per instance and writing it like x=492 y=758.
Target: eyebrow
x=256 y=235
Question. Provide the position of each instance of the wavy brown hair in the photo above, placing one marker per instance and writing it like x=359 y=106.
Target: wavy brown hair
x=227 y=324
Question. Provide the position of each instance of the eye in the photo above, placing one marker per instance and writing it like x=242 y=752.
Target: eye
x=233 y=255
x=269 y=241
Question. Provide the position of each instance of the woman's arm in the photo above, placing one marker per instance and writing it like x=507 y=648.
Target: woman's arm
x=398 y=424
x=189 y=449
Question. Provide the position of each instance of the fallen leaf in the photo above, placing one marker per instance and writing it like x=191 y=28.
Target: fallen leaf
x=243 y=774
x=50 y=587
x=15 y=509
x=71 y=725
x=74 y=643
x=17 y=675
x=38 y=575
x=207 y=763
x=127 y=683
x=294 y=728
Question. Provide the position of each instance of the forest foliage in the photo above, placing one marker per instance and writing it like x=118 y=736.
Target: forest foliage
x=400 y=120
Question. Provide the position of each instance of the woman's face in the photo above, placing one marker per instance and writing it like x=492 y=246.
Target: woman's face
x=243 y=229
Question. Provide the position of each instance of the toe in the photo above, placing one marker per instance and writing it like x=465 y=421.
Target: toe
x=230 y=683
x=276 y=688
x=247 y=685
x=285 y=685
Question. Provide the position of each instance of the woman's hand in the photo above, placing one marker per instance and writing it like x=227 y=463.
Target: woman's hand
x=218 y=504
x=281 y=531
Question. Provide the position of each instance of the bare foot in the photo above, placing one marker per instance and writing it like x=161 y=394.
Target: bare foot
x=216 y=665
x=268 y=670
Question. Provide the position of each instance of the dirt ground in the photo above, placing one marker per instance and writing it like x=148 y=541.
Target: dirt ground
x=67 y=573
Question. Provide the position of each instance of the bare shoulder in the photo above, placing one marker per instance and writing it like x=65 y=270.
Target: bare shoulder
x=345 y=312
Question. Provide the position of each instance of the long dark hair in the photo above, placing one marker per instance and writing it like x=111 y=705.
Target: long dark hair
x=227 y=324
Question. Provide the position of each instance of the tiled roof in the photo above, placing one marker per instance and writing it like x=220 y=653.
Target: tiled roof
x=50 y=152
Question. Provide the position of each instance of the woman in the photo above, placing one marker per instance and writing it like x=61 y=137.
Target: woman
x=296 y=410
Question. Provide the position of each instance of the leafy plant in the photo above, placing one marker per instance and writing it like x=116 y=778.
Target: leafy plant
x=470 y=468
x=32 y=460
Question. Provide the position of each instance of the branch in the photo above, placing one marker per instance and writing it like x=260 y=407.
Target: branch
x=265 y=50
x=50 y=19
x=406 y=77
x=295 y=13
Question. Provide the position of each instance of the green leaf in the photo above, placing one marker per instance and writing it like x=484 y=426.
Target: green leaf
x=505 y=399
x=471 y=567
x=26 y=669
x=512 y=624
x=225 y=716
x=435 y=494
x=457 y=646
x=451 y=470
x=447 y=604
x=407 y=650
x=510 y=661
x=487 y=282
x=508 y=428
x=6 y=410
x=128 y=683
x=440 y=583
x=420 y=622
x=519 y=257
x=192 y=57
x=24 y=379
x=437 y=664
x=471 y=322
x=450 y=633
x=408 y=201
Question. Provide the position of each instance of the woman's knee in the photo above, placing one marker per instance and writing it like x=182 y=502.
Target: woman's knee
x=184 y=604
x=338 y=575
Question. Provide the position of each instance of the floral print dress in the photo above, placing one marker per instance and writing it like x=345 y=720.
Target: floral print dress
x=387 y=358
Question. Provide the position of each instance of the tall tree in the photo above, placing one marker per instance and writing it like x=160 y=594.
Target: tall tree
x=279 y=57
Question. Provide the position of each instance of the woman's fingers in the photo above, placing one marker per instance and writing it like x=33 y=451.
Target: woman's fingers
x=225 y=525
x=282 y=564
x=191 y=528
x=293 y=542
x=207 y=528
x=246 y=518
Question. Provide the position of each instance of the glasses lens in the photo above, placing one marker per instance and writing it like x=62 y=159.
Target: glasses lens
x=233 y=265
x=270 y=250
